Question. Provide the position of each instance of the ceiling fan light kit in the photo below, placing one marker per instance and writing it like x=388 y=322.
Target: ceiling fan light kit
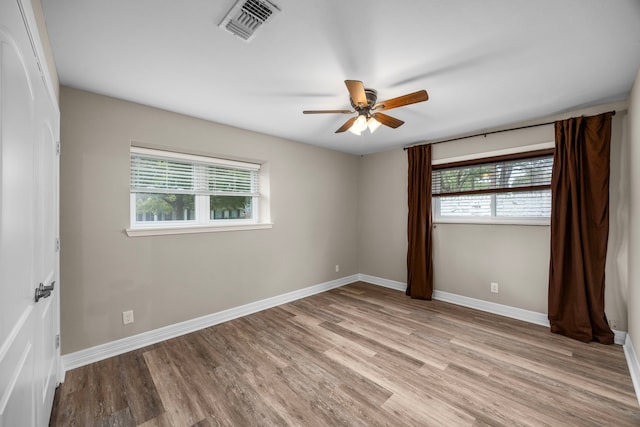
x=363 y=100
x=373 y=124
x=362 y=123
x=359 y=125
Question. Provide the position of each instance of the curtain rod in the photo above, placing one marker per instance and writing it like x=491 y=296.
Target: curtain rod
x=613 y=113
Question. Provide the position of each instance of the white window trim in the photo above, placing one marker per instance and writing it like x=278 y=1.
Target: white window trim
x=496 y=153
x=172 y=155
x=261 y=204
x=493 y=220
x=192 y=229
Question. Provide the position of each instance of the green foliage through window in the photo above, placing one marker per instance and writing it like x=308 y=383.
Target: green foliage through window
x=165 y=207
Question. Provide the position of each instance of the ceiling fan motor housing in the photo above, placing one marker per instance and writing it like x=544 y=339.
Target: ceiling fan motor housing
x=372 y=96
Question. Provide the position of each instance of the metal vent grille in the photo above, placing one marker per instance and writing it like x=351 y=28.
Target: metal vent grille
x=247 y=16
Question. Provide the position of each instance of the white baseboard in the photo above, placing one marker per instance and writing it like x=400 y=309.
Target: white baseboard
x=392 y=284
x=492 y=307
x=634 y=365
x=114 y=348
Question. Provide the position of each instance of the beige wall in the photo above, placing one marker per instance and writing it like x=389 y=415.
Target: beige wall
x=634 y=215
x=617 y=268
x=327 y=207
x=468 y=257
x=382 y=232
x=168 y=279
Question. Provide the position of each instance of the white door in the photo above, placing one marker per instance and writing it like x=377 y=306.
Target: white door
x=46 y=250
x=29 y=356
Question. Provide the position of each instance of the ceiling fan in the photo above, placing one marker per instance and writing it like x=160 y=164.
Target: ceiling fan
x=363 y=100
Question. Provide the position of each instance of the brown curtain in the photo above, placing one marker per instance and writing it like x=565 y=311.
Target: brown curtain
x=419 y=253
x=580 y=228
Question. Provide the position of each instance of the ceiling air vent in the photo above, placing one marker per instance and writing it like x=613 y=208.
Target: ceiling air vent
x=247 y=16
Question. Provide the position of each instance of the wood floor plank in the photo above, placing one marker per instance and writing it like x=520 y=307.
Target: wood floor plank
x=173 y=388
x=357 y=355
x=552 y=371
x=138 y=387
x=419 y=410
x=281 y=398
x=121 y=418
x=109 y=394
x=161 y=420
x=245 y=403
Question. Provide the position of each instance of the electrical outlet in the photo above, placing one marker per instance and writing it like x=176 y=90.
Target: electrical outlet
x=494 y=287
x=337 y=268
x=613 y=323
x=127 y=317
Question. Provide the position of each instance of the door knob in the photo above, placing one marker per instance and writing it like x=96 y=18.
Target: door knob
x=44 y=291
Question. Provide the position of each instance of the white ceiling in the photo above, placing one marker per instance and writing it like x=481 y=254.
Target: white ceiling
x=484 y=63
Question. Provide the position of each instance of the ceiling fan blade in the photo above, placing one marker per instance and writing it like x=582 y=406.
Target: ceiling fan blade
x=327 y=112
x=392 y=122
x=356 y=90
x=411 y=98
x=347 y=124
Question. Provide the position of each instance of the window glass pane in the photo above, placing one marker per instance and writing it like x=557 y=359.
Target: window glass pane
x=231 y=207
x=155 y=207
x=473 y=205
x=534 y=204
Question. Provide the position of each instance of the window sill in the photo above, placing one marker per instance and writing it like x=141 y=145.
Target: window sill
x=493 y=221
x=161 y=231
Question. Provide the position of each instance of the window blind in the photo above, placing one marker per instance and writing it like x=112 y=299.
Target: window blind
x=232 y=182
x=522 y=172
x=154 y=175
x=154 y=171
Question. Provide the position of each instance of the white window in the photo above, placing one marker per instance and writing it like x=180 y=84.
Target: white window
x=175 y=190
x=507 y=188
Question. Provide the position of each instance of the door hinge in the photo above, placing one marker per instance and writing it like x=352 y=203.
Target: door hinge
x=57 y=244
x=58 y=147
x=57 y=341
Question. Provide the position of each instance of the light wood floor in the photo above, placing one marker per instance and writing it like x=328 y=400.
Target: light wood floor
x=357 y=355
